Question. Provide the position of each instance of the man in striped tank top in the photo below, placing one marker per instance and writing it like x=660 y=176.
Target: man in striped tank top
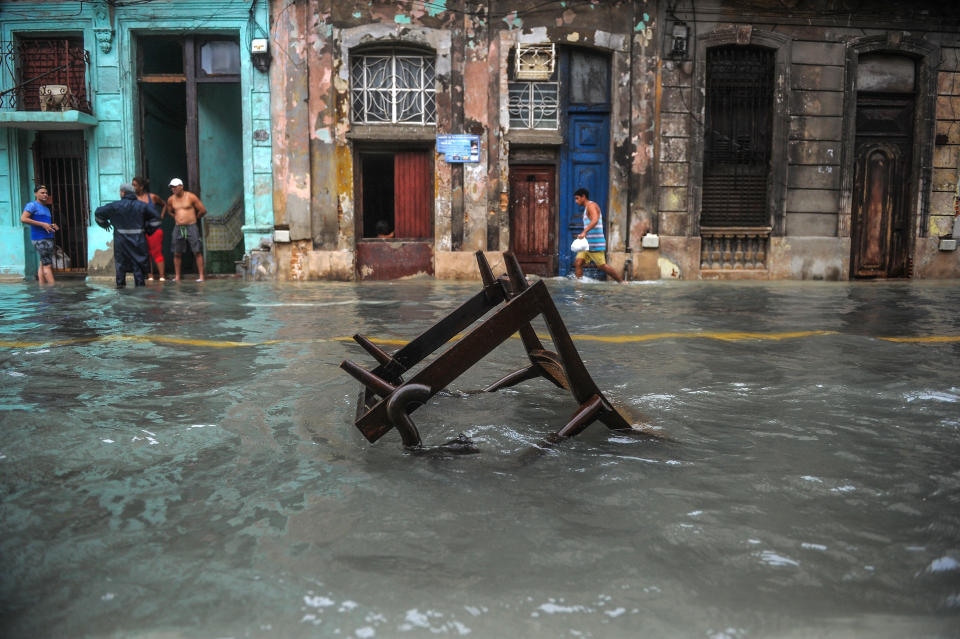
x=593 y=231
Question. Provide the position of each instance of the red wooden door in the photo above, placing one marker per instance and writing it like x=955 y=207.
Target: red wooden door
x=533 y=218
x=413 y=197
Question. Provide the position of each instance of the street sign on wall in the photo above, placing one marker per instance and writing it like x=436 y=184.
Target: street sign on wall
x=459 y=148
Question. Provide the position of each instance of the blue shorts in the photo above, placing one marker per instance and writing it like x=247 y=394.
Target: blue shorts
x=45 y=249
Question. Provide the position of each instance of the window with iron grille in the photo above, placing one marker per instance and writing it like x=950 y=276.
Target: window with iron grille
x=738 y=129
x=534 y=105
x=393 y=87
x=51 y=62
x=533 y=99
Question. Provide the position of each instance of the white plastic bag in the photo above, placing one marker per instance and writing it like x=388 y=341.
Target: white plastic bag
x=580 y=244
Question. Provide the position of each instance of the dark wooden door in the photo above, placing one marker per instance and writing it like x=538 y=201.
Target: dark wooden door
x=533 y=218
x=880 y=229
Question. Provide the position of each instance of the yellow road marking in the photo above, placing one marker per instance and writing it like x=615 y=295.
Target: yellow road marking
x=936 y=339
x=733 y=336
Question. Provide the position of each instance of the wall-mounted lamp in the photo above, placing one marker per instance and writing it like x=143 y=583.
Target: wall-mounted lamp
x=260 y=54
x=680 y=34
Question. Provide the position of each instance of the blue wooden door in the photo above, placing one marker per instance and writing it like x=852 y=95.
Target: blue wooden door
x=585 y=165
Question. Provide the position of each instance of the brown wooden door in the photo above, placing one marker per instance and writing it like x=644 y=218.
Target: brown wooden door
x=533 y=218
x=880 y=229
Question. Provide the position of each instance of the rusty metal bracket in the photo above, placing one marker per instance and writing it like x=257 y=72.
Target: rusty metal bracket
x=386 y=401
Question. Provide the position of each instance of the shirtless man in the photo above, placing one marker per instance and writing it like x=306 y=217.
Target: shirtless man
x=187 y=209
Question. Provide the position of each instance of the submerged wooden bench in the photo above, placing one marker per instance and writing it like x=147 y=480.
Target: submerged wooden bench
x=387 y=401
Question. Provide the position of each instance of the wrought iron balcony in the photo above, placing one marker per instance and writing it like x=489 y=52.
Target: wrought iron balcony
x=44 y=75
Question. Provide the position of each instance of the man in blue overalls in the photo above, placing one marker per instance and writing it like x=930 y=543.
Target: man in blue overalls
x=132 y=221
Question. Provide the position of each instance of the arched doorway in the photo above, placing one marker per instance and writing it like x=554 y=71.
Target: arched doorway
x=885 y=118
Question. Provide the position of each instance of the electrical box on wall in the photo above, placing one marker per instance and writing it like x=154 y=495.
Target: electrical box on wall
x=650 y=241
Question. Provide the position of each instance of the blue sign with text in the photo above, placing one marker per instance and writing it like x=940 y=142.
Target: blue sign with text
x=459 y=148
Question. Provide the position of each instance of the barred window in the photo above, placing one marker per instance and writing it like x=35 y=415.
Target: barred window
x=534 y=105
x=394 y=87
x=738 y=130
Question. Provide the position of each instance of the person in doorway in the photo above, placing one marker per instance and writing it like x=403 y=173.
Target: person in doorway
x=593 y=232
x=37 y=216
x=154 y=241
x=187 y=209
x=132 y=221
x=384 y=232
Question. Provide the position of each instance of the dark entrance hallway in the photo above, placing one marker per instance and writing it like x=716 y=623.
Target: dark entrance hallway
x=190 y=128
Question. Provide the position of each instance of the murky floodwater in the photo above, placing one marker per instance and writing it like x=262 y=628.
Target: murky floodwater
x=216 y=487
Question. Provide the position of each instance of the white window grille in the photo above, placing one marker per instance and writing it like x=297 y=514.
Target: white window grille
x=534 y=105
x=535 y=61
x=394 y=88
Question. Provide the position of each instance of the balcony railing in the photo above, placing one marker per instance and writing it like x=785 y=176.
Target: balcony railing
x=44 y=75
x=734 y=248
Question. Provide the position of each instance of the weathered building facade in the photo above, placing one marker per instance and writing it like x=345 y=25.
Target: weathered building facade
x=162 y=89
x=749 y=139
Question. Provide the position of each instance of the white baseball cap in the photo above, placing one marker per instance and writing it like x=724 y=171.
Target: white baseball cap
x=176 y=182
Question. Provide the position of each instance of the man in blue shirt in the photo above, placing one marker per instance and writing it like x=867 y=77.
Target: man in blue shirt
x=37 y=215
x=132 y=221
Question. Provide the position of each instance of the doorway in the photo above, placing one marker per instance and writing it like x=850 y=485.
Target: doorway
x=585 y=155
x=880 y=223
x=533 y=218
x=883 y=159
x=59 y=161
x=191 y=128
x=394 y=227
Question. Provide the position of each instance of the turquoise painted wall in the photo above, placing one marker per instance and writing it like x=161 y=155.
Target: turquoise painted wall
x=221 y=149
x=113 y=146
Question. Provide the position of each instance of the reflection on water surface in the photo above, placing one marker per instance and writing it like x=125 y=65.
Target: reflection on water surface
x=181 y=462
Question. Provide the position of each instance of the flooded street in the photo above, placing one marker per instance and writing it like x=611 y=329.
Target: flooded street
x=181 y=462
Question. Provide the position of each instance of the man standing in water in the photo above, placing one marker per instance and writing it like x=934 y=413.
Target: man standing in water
x=593 y=231
x=37 y=215
x=131 y=220
x=187 y=209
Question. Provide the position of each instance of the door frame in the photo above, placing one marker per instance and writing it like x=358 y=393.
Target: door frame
x=927 y=58
x=190 y=78
x=385 y=259
x=73 y=163
x=570 y=216
x=551 y=258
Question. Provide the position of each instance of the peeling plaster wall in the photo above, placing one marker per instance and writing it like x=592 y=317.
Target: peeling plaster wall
x=290 y=81
x=654 y=129
x=813 y=168
x=605 y=26
x=314 y=141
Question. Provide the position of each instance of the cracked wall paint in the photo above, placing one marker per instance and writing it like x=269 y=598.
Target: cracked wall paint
x=435 y=7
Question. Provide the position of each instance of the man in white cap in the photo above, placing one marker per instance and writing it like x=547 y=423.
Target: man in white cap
x=187 y=209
